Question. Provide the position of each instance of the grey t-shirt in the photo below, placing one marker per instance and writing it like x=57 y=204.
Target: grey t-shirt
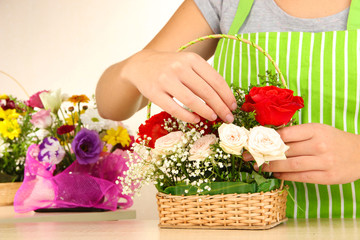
x=266 y=16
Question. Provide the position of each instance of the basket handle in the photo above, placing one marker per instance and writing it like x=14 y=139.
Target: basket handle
x=234 y=37
x=16 y=81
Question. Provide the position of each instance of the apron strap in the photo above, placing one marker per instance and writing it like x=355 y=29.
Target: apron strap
x=242 y=12
x=353 y=22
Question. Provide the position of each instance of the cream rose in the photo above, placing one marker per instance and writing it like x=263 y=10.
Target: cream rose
x=169 y=143
x=265 y=144
x=232 y=138
x=201 y=147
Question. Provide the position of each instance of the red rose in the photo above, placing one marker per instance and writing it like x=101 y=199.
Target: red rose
x=272 y=105
x=154 y=128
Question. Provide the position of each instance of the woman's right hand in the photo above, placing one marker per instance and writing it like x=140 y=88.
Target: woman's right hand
x=159 y=74
x=185 y=76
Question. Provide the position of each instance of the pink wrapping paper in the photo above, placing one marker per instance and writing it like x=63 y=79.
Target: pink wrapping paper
x=96 y=185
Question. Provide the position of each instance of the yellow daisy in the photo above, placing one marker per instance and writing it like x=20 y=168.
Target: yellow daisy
x=118 y=136
x=8 y=114
x=73 y=118
x=10 y=128
x=4 y=96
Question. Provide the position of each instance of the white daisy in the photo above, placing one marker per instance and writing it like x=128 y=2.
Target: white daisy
x=3 y=147
x=92 y=120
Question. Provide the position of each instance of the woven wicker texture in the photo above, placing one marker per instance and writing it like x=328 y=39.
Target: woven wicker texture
x=229 y=211
x=7 y=193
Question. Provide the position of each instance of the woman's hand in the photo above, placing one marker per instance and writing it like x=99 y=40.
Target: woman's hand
x=318 y=154
x=159 y=74
x=185 y=76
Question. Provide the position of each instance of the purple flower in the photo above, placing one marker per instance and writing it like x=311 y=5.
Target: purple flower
x=51 y=151
x=87 y=146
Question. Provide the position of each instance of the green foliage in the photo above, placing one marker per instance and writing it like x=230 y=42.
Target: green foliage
x=13 y=151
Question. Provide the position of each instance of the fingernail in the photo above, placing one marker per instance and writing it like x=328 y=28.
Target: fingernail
x=256 y=167
x=229 y=118
x=233 y=106
x=196 y=119
x=276 y=175
x=213 y=117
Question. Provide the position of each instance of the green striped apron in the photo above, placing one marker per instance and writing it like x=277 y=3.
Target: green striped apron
x=320 y=67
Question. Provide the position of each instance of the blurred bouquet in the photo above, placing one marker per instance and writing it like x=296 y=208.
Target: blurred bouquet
x=79 y=157
x=15 y=137
x=206 y=158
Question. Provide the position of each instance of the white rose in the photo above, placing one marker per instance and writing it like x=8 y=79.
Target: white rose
x=232 y=138
x=265 y=144
x=169 y=143
x=201 y=147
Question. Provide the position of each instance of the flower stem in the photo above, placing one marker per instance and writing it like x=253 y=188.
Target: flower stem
x=232 y=167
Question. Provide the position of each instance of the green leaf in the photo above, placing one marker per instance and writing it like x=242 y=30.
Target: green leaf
x=268 y=185
x=258 y=178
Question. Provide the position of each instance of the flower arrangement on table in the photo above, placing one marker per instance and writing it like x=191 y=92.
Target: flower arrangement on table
x=205 y=159
x=78 y=159
x=16 y=135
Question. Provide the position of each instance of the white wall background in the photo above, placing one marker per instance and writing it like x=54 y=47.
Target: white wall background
x=67 y=44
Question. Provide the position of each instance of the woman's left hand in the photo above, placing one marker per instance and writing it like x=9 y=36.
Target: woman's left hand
x=318 y=154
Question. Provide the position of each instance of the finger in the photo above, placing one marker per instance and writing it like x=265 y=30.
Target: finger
x=319 y=177
x=247 y=156
x=191 y=100
x=302 y=148
x=202 y=89
x=296 y=133
x=295 y=164
x=168 y=104
x=216 y=81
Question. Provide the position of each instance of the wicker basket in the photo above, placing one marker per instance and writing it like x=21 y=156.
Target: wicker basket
x=7 y=193
x=9 y=189
x=224 y=211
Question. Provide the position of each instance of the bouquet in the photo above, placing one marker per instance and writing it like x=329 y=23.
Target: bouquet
x=78 y=158
x=206 y=158
x=16 y=135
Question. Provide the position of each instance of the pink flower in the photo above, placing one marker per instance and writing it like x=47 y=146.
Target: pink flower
x=169 y=143
x=34 y=151
x=201 y=148
x=41 y=119
x=35 y=101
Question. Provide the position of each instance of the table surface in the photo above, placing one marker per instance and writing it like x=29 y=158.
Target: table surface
x=8 y=215
x=148 y=229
